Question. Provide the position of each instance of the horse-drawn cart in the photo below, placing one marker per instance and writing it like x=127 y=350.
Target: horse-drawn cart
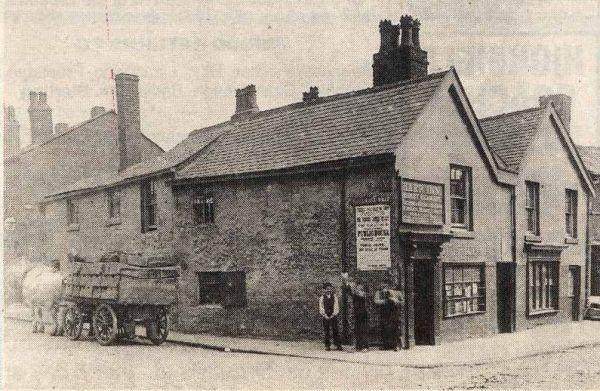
x=114 y=297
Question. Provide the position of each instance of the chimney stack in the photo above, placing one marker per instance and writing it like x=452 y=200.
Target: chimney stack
x=312 y=95
x=562 y=105
x=40 y=117
x=393 y=62
x=12 y=141
x=128 y=112
x=60 y=128
x=97 y=111
x=245 y=103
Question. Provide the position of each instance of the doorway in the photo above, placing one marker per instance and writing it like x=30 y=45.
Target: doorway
x=424 y=302
x=505 y=281
x=574 y=290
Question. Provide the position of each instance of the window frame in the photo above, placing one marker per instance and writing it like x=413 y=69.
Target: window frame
x=571 y=205
x=203 y=211
x=481 y=289
x=545 y=297
x=535 y=186
x=113 y=200
x=72 y=212
x=467 y=199
x=149 y=203
x=229 y=295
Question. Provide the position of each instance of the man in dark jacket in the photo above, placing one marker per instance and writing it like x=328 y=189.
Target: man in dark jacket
x=361 y=316
x=388 y=301
x=329 y=309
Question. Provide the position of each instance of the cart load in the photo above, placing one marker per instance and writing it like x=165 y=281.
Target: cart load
x=114 y=296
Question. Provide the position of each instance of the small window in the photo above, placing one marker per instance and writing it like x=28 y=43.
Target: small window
x=461 y=197
x=571 y=213
x=222 y=288
x=532 y=207
x=148 y=196
x=72 y=212
x=204 y=208
x=543 y=286
x=464 y=289
x=114 y=204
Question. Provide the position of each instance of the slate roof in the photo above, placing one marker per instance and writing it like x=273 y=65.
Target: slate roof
x=367 y=122
x=510 y=134
x=591 y=157
x=186 y=149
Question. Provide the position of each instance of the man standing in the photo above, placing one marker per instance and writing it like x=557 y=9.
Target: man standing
x=361 y=316
x=388 y=302
x=329 y=309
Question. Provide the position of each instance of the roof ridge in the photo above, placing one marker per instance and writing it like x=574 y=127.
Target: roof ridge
x=510 y=113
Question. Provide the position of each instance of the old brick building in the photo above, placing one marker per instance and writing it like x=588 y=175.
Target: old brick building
x=480 y=223
x=55 y=159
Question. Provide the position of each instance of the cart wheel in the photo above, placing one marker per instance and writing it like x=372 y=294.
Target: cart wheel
x=105 y=324
x=158 y=329
x=73 y=323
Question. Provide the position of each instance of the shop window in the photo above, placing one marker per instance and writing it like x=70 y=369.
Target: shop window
x=204 y=208
x=72 y=212
x=464 y=289
x=114 y=204
x=222 y=288
x=542 y=279
x=148 y=207
x=461 y=205
x=532 y=207
x=571 y=212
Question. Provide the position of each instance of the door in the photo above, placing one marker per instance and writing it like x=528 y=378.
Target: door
x=574 y=290
x=505 y=281
x=423 y=298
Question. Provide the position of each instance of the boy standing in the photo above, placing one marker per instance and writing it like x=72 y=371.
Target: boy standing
x=329 y=309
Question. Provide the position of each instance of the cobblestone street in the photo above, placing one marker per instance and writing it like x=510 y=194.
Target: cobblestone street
x=42 y=361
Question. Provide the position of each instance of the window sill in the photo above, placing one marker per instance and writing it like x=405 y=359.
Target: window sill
x=209 y=306
x=113 y=221
x=533 y=238
x=73 y=227
x=463 y=315
x=542 y=313
x=149 y=229
x=462 y=233
x=569 y=240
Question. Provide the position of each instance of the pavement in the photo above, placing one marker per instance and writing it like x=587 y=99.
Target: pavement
x=538 y=341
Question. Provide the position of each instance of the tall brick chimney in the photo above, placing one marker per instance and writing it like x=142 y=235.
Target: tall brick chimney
x=396 y=62
x=40 y=117
x=562 y=105
x=245 y=103
x=128 y=111
x=12 y=142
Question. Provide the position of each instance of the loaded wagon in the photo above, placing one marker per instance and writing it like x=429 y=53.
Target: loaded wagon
x=114 y=296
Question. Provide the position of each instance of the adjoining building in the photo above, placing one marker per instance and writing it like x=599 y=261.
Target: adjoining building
x=481 y=224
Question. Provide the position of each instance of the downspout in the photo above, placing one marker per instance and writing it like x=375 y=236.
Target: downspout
x=513 y=282
x=343 y=236
x=588 y=250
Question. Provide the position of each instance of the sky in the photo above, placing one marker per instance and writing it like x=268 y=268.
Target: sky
x=192 y=55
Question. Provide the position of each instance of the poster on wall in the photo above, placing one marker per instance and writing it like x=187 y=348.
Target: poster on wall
x=373 y=237
x=422 y=202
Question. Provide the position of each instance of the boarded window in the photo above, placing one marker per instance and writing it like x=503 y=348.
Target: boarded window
x=571 y=213
x=148 y=205
x=461 y=197
x=204 y=208
x=223 y=288
x=72 y=212
x=464 y=289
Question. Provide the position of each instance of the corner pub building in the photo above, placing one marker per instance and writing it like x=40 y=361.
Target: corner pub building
x=397 y=183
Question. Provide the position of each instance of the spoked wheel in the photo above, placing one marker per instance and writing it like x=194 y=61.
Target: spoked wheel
x=158 y=328
x=105 y=324
x=73 y=323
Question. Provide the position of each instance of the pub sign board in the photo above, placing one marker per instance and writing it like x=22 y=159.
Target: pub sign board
x=421 y=202
x=373 y=237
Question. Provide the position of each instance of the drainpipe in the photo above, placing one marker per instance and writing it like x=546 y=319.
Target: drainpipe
x=513 y=205
x=343 y=236
x=588 y=250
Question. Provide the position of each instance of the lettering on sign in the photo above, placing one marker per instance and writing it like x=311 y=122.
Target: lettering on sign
x=373 y=237
x=421 y=202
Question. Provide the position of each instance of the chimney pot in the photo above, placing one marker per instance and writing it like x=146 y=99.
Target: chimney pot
x=415 y=33
x=97 y=111
x=245 y=102
x=312 y=95
x=40 y=117
x=43 y=97
x=389 y=35
x=33 y=98
x=562 y=105
x=406 y=24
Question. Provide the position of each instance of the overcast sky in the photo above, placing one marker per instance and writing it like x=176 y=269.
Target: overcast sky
x=192 y=55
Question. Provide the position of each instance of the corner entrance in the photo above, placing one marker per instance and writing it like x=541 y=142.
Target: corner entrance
x=423 y=299
x=505 y=279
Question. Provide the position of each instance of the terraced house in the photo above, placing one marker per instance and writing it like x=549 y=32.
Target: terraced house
x=481 y=224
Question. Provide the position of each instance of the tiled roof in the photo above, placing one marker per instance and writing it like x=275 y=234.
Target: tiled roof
x=191 y=145
x=591 y=157
x=510 y=134
x=360 y=123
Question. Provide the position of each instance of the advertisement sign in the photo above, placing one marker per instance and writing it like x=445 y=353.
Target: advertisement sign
x=373 y=237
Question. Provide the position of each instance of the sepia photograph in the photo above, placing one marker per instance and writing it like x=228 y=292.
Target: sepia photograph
x=286 y=195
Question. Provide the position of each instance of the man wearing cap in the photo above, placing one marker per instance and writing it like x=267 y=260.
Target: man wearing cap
x=329 y=309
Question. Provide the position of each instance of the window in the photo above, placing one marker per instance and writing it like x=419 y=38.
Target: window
x=222 y=288
x=204 y=208
x=148 y=195
x=114 y=204
x=464 y=289
x=532 y=207
x=460 y=197
x=72 y=212
x=571 y=212
x=543 y=286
